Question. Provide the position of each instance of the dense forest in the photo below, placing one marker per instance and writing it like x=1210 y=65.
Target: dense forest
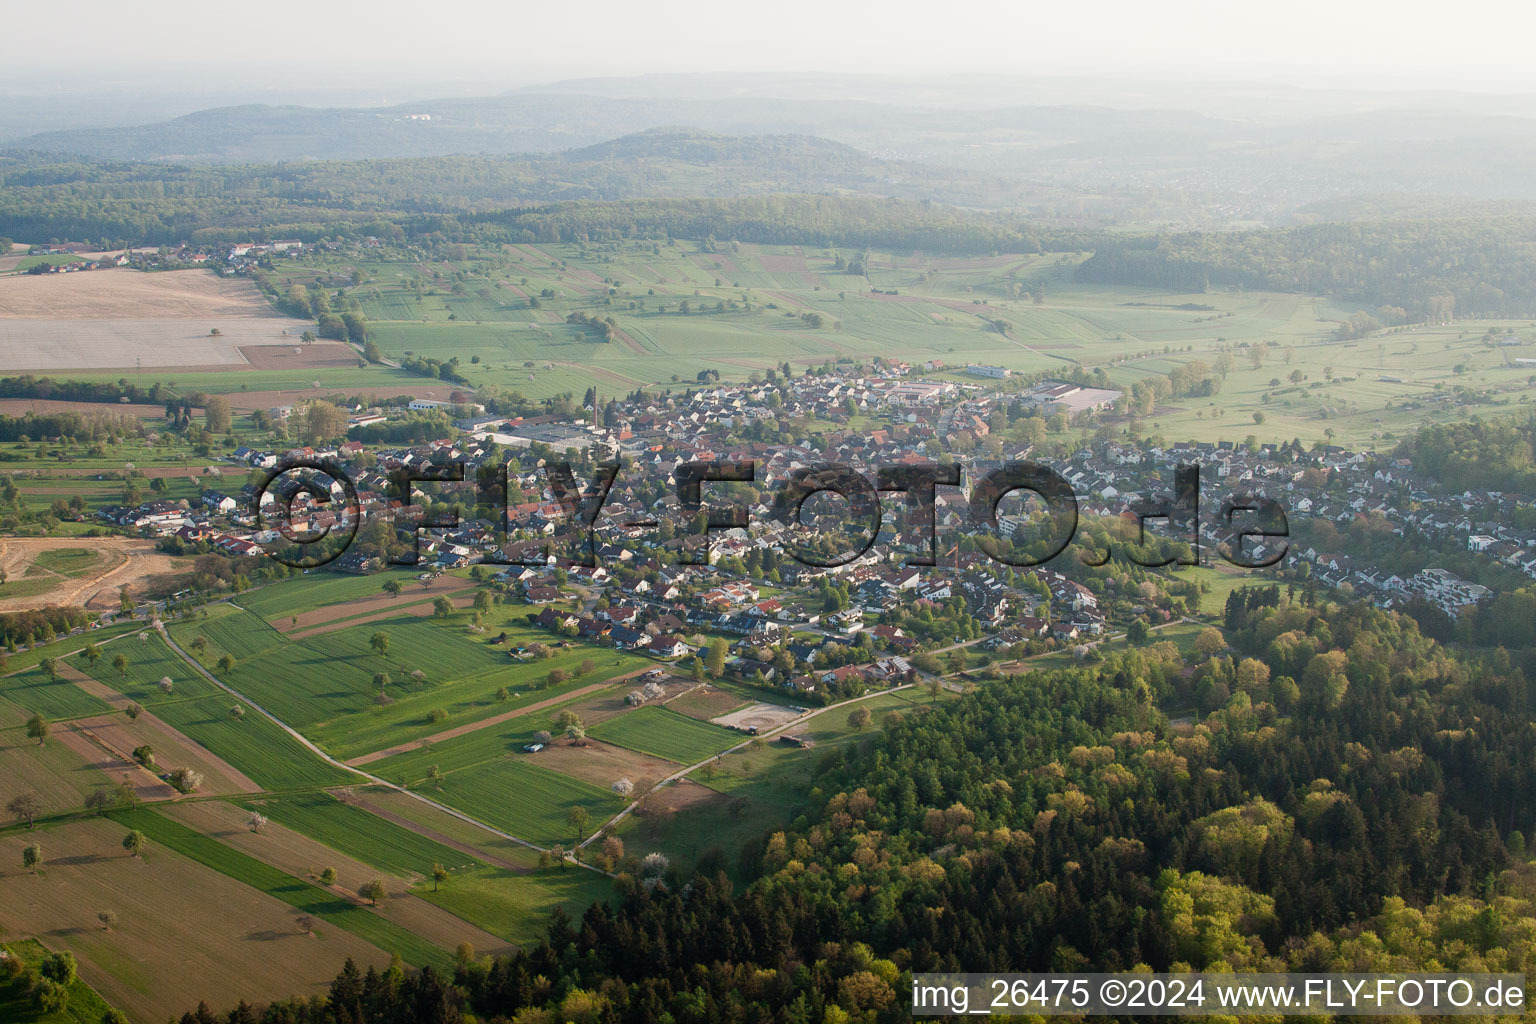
x=1493 y=454
x=1414 y=270
x=639 y=189
x=1405 y=270
x=1355 y=800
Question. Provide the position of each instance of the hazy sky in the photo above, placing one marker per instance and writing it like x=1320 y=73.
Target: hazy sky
x=387 y=44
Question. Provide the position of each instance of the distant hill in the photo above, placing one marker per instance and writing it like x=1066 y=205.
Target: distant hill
x=708 y=149
x=1055 y=159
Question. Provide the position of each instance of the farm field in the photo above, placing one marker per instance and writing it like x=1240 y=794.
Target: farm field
x=666 y=734
x=63 y=647
x=53 y=697
x=325 y=590
x=302 y=896
x=507 y=893
x=164 y=933
x=708 y=702
x=325 y=685
x=516 y=907
x=172 y=749
x=525 y=800
x=128 y=319
x=253 y=744
x=54 y=771
x=366 y=837
x=148 y=660
x=303 y=857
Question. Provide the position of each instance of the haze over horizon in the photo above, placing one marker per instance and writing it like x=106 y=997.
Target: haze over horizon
x=356 y=49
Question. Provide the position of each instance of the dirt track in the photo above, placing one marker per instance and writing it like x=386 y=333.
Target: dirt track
x=484 y=723
x=126 y=562
x=420 y=609
x=359 y=607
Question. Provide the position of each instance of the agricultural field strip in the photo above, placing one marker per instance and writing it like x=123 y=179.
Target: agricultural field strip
x=550 y=704
x=295 y=892
x=47 y=652
x=663 y=733
x=359 y=834
x=454 y=812
x=406 y=607
x=682 y=773
x=282 y=662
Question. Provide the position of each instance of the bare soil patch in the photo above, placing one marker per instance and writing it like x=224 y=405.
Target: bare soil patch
x=705 y=702
x=112 y=319
x=682 y=795
x=128 y=294
x=185 y=345
x=125 y=561
x=602 y=764
x=177 y=921
x=58 y=774
x=298 y=356
x=595 y=711
x=761 y=716
x=172 y=749
x=78 y=737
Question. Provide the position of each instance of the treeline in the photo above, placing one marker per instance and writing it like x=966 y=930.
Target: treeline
x=93 y=426
x=1494 y=454
x=1352 y=770
x=1415 y=270
x=782 y=220
x=28 y=386
x=40 y=625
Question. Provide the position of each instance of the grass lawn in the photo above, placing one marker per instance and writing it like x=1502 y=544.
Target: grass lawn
x=525 y=800
x=47 y=260
x=667 y=734
x=67 y=561
x=516 y=905
x=1221 y=579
